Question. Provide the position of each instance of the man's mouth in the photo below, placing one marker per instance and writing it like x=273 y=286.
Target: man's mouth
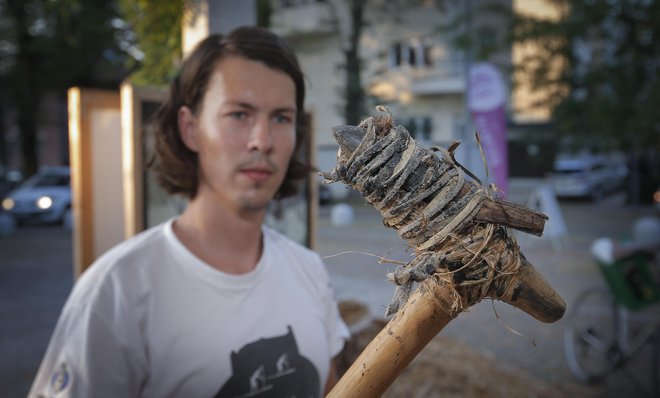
x=257 y=174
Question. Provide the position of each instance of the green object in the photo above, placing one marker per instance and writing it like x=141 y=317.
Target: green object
x=631 y=281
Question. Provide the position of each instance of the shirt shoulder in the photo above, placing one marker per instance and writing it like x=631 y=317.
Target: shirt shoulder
x=281 y=242
x=124 y=266
x=304 y=262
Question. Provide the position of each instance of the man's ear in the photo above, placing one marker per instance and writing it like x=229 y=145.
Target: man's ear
x=188 y=128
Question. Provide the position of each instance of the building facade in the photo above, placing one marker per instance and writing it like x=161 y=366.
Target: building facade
x=408 y=64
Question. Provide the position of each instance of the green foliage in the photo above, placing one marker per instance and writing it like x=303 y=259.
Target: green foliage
x=50 y=45
x=157 y=29
x=264 y=11
x=606 y=92
x=66 y=42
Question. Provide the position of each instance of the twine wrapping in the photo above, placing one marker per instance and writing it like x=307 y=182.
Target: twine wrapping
x=432 y=205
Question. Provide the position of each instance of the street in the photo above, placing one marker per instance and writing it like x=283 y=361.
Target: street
x=36 y=277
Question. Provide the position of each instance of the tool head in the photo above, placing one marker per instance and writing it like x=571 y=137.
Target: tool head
x=507 y=274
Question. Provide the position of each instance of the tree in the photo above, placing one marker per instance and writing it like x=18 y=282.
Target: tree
x=156 y=30
x=350 y=24
x=600 y=63
x=354 y=107
x=52 y=45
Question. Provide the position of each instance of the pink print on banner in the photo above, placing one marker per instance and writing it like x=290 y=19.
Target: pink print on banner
x=486 y=100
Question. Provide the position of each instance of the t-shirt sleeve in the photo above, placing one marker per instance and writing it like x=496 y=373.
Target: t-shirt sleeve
x=87 y=358
x=337 y=330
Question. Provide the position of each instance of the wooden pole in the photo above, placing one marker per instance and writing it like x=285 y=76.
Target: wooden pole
x=413 y=327
x=422 y=317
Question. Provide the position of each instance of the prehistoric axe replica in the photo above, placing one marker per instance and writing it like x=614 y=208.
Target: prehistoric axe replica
x=463 y=249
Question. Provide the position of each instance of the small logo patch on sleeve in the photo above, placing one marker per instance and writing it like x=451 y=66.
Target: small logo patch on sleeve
x=60 y=380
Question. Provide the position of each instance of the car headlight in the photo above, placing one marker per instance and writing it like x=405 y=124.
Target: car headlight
x=8 y=204
x=44 y=202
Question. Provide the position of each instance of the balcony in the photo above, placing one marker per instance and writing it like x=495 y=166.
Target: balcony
x=444 y=77
x=302 y=18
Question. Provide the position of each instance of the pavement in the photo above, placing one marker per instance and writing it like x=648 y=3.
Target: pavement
x=36 y=277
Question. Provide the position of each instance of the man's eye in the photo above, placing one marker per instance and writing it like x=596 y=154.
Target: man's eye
x=239 y=115
x=282 y=119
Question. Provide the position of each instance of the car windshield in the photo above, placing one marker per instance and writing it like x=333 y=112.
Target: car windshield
x=48 y=180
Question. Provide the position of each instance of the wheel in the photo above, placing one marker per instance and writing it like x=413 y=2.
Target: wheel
x=590 y=337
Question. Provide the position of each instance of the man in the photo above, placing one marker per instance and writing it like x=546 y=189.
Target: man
x=211 y=303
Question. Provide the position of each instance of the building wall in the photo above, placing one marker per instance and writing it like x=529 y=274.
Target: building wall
x=408 y=65
x=522 y=97
x=413 y=70
x=319 y=58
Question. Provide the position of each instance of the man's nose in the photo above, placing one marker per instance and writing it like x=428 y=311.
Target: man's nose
x=261 y=138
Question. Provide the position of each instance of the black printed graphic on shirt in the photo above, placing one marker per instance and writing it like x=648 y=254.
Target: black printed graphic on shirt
x=271 y=367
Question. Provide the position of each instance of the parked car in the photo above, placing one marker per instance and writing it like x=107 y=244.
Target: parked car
x=44 y=197
x=587 y=176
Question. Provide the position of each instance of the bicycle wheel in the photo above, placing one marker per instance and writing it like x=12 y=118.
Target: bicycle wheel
x=590 y=338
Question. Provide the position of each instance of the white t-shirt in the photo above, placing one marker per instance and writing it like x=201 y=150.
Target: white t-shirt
x=150 y=319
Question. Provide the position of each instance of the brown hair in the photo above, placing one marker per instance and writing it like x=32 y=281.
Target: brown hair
x=176 y=166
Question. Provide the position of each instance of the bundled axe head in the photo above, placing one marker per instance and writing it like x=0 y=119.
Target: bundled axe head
x=463 y=249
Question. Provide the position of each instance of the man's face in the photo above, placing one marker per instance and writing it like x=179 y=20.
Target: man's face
x=244 y=134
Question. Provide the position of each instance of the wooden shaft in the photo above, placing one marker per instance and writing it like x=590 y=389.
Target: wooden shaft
x=422 y=317
x=413 y=327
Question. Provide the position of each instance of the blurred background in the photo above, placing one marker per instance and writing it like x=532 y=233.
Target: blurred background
x=564 y=94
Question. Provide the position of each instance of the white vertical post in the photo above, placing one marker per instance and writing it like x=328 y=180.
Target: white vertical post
x=204 y=17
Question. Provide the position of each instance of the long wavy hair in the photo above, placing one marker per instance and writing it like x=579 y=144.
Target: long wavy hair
x=177 y=167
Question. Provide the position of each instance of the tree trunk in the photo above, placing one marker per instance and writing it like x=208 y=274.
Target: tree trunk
x=354 y=106
x=4 y=161
x=28 y=94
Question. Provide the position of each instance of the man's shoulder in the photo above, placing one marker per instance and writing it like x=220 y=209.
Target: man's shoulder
x=136 y=246
x=128 y=258
x=283 y=242
x=298 y=258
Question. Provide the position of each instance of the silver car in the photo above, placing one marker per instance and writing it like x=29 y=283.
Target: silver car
x=588 y=176
x=45 y=197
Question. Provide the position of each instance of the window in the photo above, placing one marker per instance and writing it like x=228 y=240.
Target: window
x=395 y=55
x=427 y=128
x=420 y=127
x=427 y=56
x=413 y=52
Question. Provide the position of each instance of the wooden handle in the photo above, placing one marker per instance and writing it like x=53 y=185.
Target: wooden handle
x=413 y=327
x=422 y=317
